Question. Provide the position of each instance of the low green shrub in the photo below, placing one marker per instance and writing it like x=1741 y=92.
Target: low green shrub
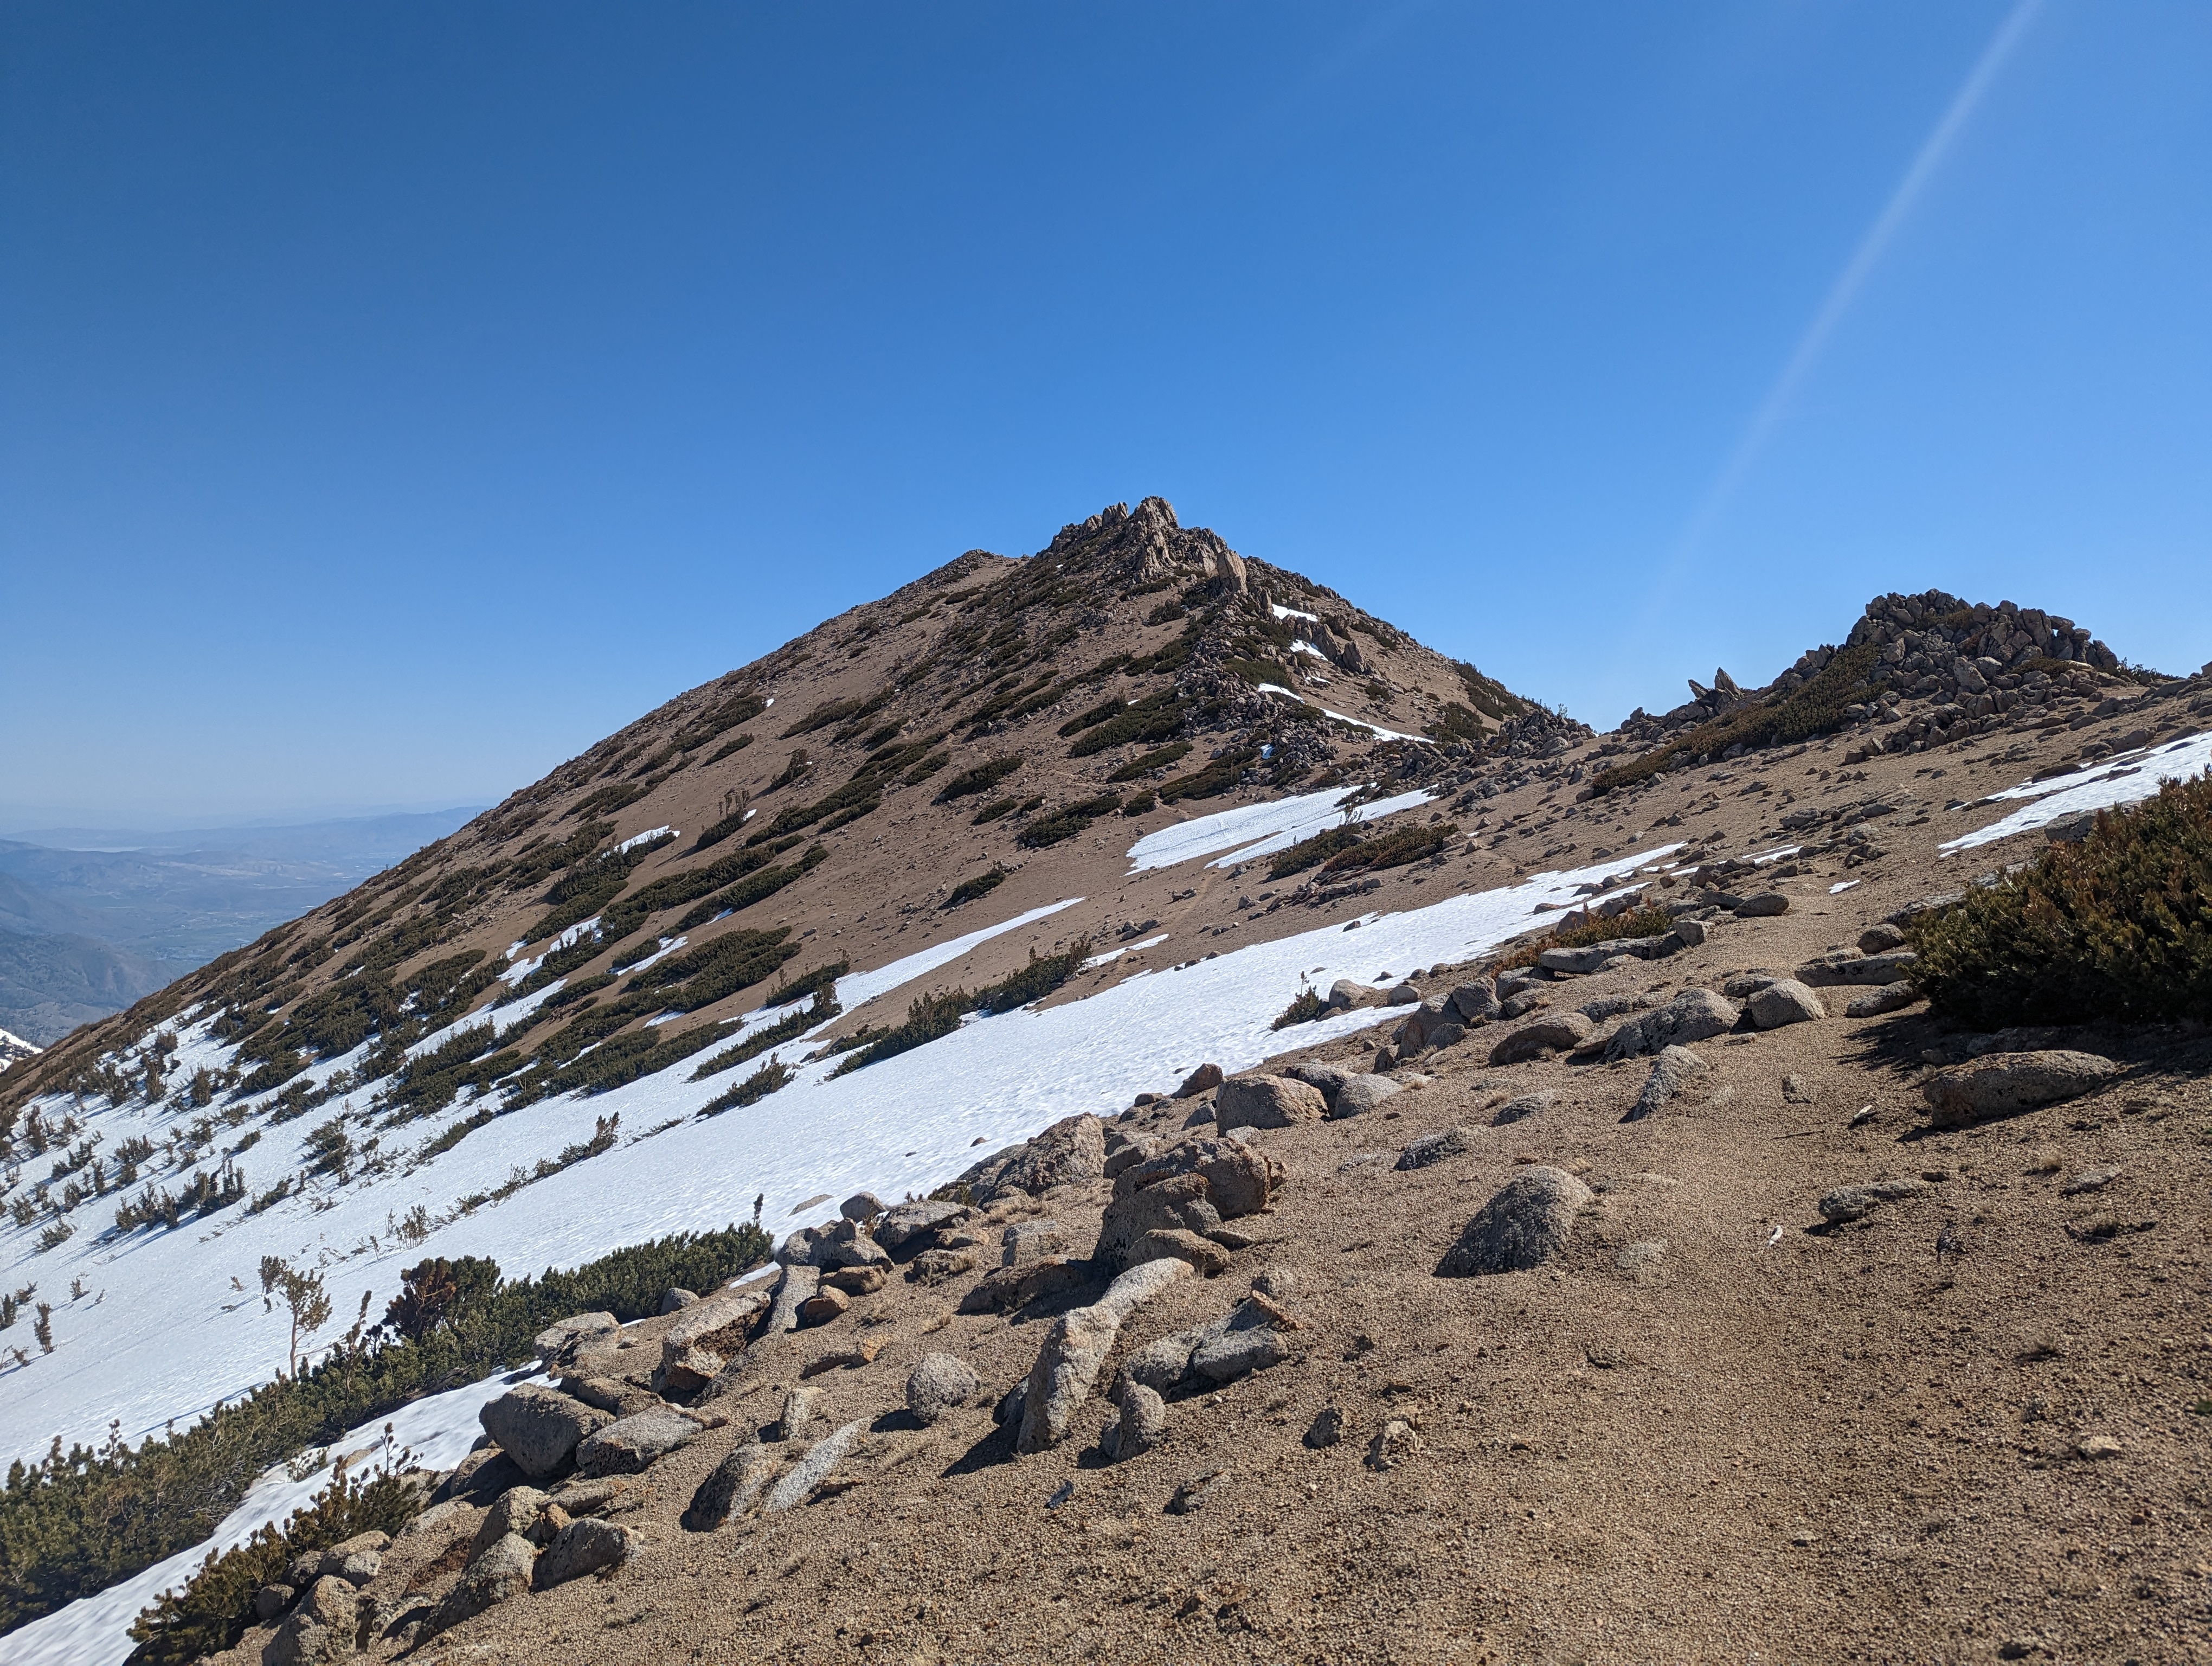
x=981 y=885
x=1312 y=852
x=1159 y=759
x=1408 y=844
x=1814 y=708
x=991 y=811
x=932 y=1016
x=980 y=779
x=1155 y=718
x=1141 y=804
x=1304 y=1010
x=2117 y=926
x=767 y=1079
x=1067 y=821
x=1222 y=776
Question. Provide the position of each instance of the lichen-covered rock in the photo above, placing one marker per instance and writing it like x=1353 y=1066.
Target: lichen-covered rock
x=1071 y=1153
x=558 y=1338
x=1695 y=1015
x=499 y=1571
x=1179 y=1202
x=1849 y=1203
x=1674 y=1073
x=1239 y=1180
x=1075 y=1351
x=1525 y=1224
x=1436 y=1147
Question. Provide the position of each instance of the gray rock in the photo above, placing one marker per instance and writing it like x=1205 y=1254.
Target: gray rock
x=1475 y=1003
x=820 y=1462
x=1361 y=1094
x=1327 y=1428
x=862 y=1206
x=797 y=1411
x=1076 y=1348
x=584 y=1545
x=1325 y=1078
x=1436 y=1147
x=1590 y=957
x=1673 y=1074
x=2091 y=1180
x=915 y=1223
x=270 y=1602
x=1239 y=1180
x=1393 y=1443
x=1127 y=1156
x=1142 y=1425
x=1765 y=905
x=1690 y=931
x=1524 y=1225
x=1847 y=1203
x=1176 y=1203
x=1403 y=994
x=1694 y=1015
x=356 y=1561
x=517 y=1510
x=1784 y=1002
x=1525 y=1104
x=849 y=1244
x=1518 y=1006
x=2003 y=1084
x=1560 y=1032
x=1881 y=939
x=1159 y=1366
x=1247 y=1343
x=556 y=1338
x=500 y=1570
x=1028 y=1242
x=1891 y=998
x=1344 y=995
x=675 y=1300
x=539 y=1428
x=1196 y=1491
x=798 y=1285
x=1266 y=1102
x=1071 y=1153
x=938 y=1382
x=630 y=1446
x=732 y=1487
x=1829 y=970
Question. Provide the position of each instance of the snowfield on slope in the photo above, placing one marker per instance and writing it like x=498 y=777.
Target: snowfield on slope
x=163 y=1332
x=2127 y=778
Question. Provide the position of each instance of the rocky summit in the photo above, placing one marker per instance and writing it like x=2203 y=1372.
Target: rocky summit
x=1267 y=1146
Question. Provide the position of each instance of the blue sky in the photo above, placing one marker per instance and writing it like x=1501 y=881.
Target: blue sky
x=395 y=399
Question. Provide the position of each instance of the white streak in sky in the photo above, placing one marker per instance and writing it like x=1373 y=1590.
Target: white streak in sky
x=1854 y=275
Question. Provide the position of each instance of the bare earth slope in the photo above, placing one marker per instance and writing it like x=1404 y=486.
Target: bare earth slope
x=1711 y=1421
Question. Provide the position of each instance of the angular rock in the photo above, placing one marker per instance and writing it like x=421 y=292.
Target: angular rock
x=797 y=1411
x=2003 y=1084
x=1560 y=1032
x=517 y=1510
x=1239 y=1180
x=500 y=1570
x=1593 y=956
x=1178 y=1202
x=939 y=1266
x=1076 y=1348
x=1525 y=1224
x=1026 y=1242
x=732 y=1487
x=938 y=1382
x=583 y=1546
x=1071 y=1153
x=630 y=1446
x=824 y=1305
x=1205 y=1076
x=798 y=1286
x=1830 y=970
x=1160 y=1365
x=1247 y=1343
x=1360 y=1094
x=1121 y=1158
x=1673 y=1074
x=616 y=1396
x=1326 y=1430
x=1205 y=1257
x=1326 y=1078
x=556 y=1338
x=706 y=1336
x=1436 y=1147
x=847 y=1244
x=1475 y=1003
x=1393 y=1443
x=1847 y=1203
x=539 y=1428
x=1784 y=1002
x=856 y=1281
x=1525 y=1104
x=1690 y=931
x=820 y=1462
x=1266 y=1102
x=911 y=1225
x=1695 y=1015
